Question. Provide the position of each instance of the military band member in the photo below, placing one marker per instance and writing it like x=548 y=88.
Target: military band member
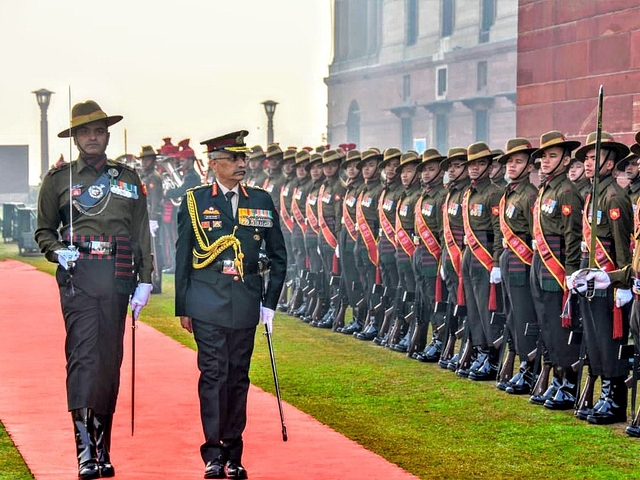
x=286 y=194
x=402 y=330
x=481 y=260
x=366 y=249
x=95 y=274
x=605 y=317
x=220 y=295
x=452 y=239
x=330 y=197
x=275 y=177
x=350 y=282
x=557 y=224
x=428 y=253
x=387 y=203
x=516 y=207
x=256 y=175
x=300 y=186
x=153 y=183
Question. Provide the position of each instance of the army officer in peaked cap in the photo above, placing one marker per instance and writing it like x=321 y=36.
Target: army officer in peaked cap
x=220 y=296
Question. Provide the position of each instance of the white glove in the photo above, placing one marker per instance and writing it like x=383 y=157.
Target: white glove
x=67 y=257
x=337 y=251
x=495 y=276
x=140 y=298
x=443 y=274
x=623 y=296
x=578 y=280
x=153 y=226
x=266 y=317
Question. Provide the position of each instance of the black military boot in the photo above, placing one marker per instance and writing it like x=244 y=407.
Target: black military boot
x=489 y=368
x=538 y=395
x=357 y=323
x=403 y=345
x=633 y=430
x=431 y=352
x=522 y=382
x=585 y=405
x=565 y=397
x=85 y=443
x=102 y=424
x=469 y=359
x=371 y=330
x=614 y=406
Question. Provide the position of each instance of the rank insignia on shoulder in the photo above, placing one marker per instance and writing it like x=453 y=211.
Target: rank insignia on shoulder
x=566 y=210
x=614 y=213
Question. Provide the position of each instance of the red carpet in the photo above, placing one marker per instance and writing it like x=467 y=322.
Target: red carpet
x=168 y=433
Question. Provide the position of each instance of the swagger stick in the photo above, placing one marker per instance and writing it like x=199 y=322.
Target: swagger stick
x=134 y=319
x=275 y=381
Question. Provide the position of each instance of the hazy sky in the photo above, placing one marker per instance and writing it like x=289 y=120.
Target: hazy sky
x=187 y=69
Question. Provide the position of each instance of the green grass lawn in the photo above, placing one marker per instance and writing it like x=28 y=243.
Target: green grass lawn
x=416 y=415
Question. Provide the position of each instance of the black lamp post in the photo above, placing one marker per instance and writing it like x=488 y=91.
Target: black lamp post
x=43 y=96
x=270 y=109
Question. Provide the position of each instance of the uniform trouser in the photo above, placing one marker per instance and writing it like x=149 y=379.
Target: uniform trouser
x=169 y=234
x=518 y=306
x=548 y=307
x=635 y=321
x=366 y=271
x=311 y=247
x=451 y=283
x=299 y=252
x=224 y=357
x=348 y=271
x=389 y=275
x=426 y=290
x=476 y=295
x=158 y=260
x=287 y=235
x=602 y=349
x=327 y=253
x=94 y=317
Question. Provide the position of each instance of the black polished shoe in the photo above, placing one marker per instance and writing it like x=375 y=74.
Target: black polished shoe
x=488 y=371
x=453 y=363
x=564 y=399
x=236 y=470
x=431 y=353
x=521 y=385
x=368 y=333
x=326 y=324
x=214 y=469
x=548 y=394
x=353 y=327
x=614 y=406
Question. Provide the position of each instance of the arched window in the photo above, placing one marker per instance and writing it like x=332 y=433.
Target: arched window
x=353 y=123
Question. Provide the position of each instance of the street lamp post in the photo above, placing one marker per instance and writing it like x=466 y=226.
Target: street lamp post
x=43 y=96
x=270 y=109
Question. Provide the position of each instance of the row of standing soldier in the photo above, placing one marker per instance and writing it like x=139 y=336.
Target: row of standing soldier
x=478 y=260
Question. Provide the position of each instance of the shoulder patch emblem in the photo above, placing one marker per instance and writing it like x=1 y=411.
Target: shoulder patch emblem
x=495 y=210
x=614 y=213
x=566 y=210
x=144 y=189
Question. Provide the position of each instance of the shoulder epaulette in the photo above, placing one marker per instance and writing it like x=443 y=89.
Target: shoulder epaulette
x=255 y=187
x=58 y=168
x=199 y=187
x=113 y=163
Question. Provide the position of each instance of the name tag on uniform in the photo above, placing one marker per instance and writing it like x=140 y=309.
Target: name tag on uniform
x=252 y=217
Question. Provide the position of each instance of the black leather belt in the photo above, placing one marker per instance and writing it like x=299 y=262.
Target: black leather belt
x=96 y=248
x=228 y=267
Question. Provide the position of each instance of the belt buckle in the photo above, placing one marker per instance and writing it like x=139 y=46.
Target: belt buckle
x=583 y=247
x=416 y=240
x=229 y=268
x=99 y=248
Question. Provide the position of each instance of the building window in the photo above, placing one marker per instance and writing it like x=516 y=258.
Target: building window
x=482 y=75
x=406 y=87
x=407 y=133
x=482 y=125
x=442 y=132
x=353 y=123
x=488 y=14
x=412 y=21
x=441 y=82
x=446 y=26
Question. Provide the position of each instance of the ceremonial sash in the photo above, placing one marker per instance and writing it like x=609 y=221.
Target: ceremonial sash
x=311 y=217
x=478 y=250
x=326 y=231
x=636 y=224
x=551 y=262
x=603 y=260
x=518 y=246
x=365 y=232
x=284 y=214
x=402 y=236
x=348 y=221
x=297 y=213
x=426 y=235
x=453 y=249
x=386 y=225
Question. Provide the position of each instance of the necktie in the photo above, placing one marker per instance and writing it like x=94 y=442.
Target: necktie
x=229 y=196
